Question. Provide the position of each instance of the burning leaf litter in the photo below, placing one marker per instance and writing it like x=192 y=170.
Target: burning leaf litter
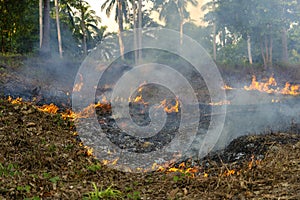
x=46 y=157
x=270 y=86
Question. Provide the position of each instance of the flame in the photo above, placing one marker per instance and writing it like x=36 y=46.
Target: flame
x=227 y=87
x=169 y=107
x=138 y=99
x=229 y=172
x=261 y=86
x=51 y=108
x=289 y=89
x=224 y=102
x=18 y=100
x=77 y=87
x=182 y=168
x=89 y=151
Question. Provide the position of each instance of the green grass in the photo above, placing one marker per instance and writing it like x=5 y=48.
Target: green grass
x=9 y=170
x=108 y=193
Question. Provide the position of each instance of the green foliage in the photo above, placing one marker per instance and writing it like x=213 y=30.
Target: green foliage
x=136 y=195
x=54 y=179
x=18 y=26
x=25 y=188
x=33 y=198
x=261 y=21
x=108 y=193
x=94 y=167
x=9 y=170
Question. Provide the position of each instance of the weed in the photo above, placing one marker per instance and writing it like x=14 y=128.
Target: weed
x=108 y=193
x=54 y=179
x=33 y=198
x=94 y=167
x=10 y=169
x=25 y=188
x=136 y=195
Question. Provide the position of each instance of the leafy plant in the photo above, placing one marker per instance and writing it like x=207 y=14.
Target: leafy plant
x=136 y=195
x=108 y=193
x=54 y=179
x=94 y=167
x=33 y=198
x=24 y=188
x=10 y=169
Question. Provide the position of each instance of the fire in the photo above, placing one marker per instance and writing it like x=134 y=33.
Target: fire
x=291 y=89
x=229 y=172
x=182 y=168
x=14 y=101
x=227 y=87
x=89 y=151
x=77 y=87
x=270 y=86
x=169 y=107
x=220 y=103
x=49 y=108
x=261 y=86
x=138 y=99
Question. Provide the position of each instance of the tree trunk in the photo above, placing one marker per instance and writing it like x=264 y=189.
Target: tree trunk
x=263 y=54
x=214 y=42
x=41 y=21
x=46 y=29
x=285 y=58
x=58 y=29
x=270 y=51
x=249 y=49
x=266 y=50
x=84 y=46
x=120 y=24
x=140 y=31
x=135 y=33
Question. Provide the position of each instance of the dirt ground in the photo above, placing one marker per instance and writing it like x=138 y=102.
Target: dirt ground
x=42 y=159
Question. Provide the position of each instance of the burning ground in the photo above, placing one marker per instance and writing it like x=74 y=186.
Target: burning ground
x=41 y=157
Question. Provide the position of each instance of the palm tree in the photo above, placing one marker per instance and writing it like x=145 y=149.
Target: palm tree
x=86 y=21
x=41 y=21
x=172 y=10
x=45 y=44
x=58 y=28
x=121 y=7
x=137 y=25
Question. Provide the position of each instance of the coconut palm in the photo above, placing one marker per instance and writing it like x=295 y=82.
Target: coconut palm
x=120 y=7
x=45 y=23
x=172 y=10
x=86 y=22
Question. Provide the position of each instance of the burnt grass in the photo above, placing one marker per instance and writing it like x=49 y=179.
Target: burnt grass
x=42 y=159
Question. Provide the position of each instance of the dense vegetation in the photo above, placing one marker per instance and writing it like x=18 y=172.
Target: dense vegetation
x=235 y=31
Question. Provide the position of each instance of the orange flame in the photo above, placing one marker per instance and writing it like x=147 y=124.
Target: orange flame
x=261 y=86
x=227 y=87
x=169 y=107
x=49 y=108
x=289 y=89
x=18 y=100
x=77 y=87
x=224 y=102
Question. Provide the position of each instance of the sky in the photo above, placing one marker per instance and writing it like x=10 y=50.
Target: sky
x=196 y=13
